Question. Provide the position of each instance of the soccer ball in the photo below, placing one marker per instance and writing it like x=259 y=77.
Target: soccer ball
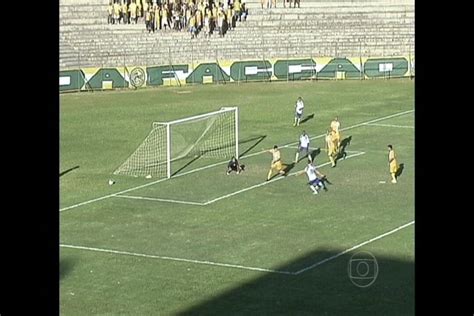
x=148 y=176
x=111 y=182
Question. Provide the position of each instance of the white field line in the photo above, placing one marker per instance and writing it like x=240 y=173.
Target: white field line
x=151 y=183
x=145 y=185
x=158 y=199
x=379 y=119
x=360 y=124
x=324 y=149
x=227 y=265
x=267 y=182
x=223 y=162
x=353 y=248
x=346 y=151
x=390 y=125
x=233 y=193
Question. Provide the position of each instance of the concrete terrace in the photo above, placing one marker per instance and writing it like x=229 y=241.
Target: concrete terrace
x=317 y=29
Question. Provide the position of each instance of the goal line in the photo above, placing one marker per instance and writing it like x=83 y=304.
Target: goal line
x=225 y=196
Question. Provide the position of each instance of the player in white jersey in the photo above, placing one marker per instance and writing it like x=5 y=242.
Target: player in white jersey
x=303 y=147
x=298 y=111
x=315 y=178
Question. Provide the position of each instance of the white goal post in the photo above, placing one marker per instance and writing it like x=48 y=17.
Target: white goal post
x=213 y=134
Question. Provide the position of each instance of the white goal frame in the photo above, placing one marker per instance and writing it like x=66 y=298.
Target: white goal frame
x=187 y=119
x=152 y=152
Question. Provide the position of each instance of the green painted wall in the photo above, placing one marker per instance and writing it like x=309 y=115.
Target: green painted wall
x=250 y=70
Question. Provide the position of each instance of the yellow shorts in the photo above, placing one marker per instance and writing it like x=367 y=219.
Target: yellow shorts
x=393 y=167
x=331 y=150
x=277 y=165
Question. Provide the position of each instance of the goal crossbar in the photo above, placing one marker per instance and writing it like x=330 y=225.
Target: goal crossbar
x=196 y=117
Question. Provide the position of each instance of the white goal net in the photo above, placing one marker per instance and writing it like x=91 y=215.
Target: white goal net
x=213 y=134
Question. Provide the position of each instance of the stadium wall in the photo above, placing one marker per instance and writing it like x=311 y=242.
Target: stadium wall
x=323 y=68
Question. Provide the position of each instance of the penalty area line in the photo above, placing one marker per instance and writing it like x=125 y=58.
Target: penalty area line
x=229 y=194
x=389 y=125
x=361 y=124
x=353 y=248
x=158 y=199
x=235 y=266
x=271 y=181
x=134 y=254
x=324 y=149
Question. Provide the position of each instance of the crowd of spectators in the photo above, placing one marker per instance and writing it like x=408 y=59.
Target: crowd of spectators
x=273 y=3
x=204 y=16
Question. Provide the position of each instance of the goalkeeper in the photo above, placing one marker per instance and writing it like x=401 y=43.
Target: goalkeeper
x=234 y=165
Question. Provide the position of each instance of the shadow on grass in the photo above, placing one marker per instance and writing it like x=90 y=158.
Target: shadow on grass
x=342 y=149
x=68 y=170
x=314 y=153
x=307 y=118
x=326 y=181
x=288 y=167
x=338 y=287
x=311 y=154
x=186 y=165
x=65 y=267
x=258 y=140
x=400 y=170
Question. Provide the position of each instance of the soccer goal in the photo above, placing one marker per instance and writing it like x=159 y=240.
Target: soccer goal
x=214 y=134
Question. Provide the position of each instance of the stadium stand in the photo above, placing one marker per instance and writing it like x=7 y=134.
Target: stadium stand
x=381 y=28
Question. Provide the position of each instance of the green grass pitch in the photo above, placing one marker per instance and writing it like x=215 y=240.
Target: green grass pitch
x=235 y=244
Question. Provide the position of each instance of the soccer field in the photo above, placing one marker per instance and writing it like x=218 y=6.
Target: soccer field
x=203 y=242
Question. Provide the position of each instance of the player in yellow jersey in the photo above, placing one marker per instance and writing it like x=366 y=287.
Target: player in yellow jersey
x=335 y=125
x=132 y=9
x=276 y=165
x=392 y=162
x=117 y=9
x=331 y=147
x=110 y=11
x=157 y=21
